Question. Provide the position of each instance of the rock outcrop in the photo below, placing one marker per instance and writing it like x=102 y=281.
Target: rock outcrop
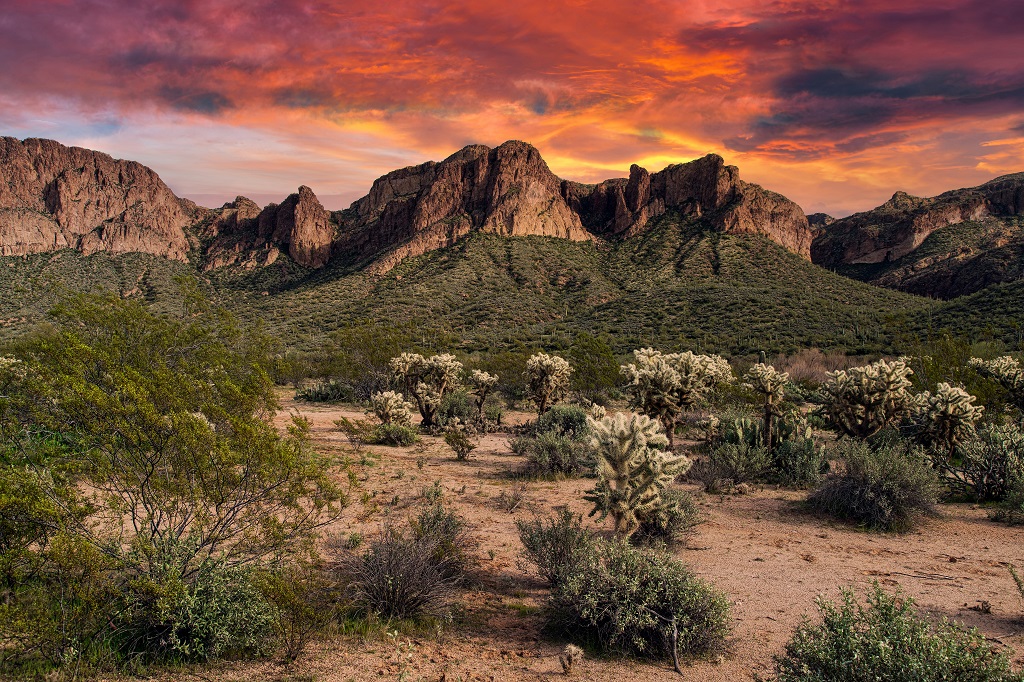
x=900 y=225
x=979 y=242
x=508 y=190
x=242 y=234
x=55 y=197
x=705 y=188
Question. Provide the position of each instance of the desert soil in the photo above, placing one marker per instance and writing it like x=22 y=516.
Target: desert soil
x=769 y=556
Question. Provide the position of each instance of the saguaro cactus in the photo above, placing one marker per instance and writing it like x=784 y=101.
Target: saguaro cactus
x=632 y=468
x=548 y=379
x=946 y=418
x=862 y=400
x=771 y=385
x=427 y=380
x=663 y=385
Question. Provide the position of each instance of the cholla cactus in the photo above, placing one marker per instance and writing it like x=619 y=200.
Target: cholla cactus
x=862 y=400
x=390 y=407
x=1008 y=372
x=771 y=385
x=596 y=412
x=572 y=655
x=427 y=380
x=663 y=385
x=483 y=384
x=632 y=468
x=548 y=379
x=946 y=418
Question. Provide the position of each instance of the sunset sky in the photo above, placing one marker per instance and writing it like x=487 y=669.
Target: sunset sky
x=834 y=104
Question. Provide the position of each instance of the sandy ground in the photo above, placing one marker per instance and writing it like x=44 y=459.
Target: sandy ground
x=768 y=555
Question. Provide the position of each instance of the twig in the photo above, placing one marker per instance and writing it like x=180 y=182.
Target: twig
x=925 y=576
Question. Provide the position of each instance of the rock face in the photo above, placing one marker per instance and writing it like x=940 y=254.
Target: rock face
x=508 y=190
x=891 y=245
x=900 y=225
x=705 y=188
x=244 y=235
x=60 y=197
x=56 y=197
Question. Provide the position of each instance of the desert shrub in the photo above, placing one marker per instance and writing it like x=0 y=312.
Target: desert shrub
x=711 y=477
x=883 y=488
x=399 y=576
x=553 y=454
x=1011 y=510
x=393 y=434
x=671 y=522
x=557 y=545
x=632 y=469
x=639 y=602
x=306 y=600
x=457 y=407
x=447 y=531
x=987 y=465
x=740 y=462
x=167 y=614
x=564 y=420
x=885 y=639
x=800 y=463
x=460 y=443
x=327 y=391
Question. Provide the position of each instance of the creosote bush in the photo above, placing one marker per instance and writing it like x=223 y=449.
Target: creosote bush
x=885 y=639
x=887 y=487
x=642 y=603
x=557 y=546
x=559 y=444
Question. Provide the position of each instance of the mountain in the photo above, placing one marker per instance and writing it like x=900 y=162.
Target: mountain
x=946 y=246
x=66 y=197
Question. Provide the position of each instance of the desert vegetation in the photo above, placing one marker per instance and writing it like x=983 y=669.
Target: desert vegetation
x=159 y=510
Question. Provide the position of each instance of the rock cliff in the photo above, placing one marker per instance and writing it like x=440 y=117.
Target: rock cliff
x=55 y=197
x=705 y=188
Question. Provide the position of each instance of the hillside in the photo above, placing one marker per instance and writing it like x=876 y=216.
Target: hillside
x=946 y=246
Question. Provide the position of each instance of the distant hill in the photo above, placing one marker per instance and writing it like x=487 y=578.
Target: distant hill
x=946 y=246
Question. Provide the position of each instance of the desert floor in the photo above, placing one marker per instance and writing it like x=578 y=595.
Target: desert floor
x=770 y=557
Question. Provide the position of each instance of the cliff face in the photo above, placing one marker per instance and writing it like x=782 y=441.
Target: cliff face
x=977 y=240
x=508 y=190
x=900 y=225
x=705 y=188
x=54 y=197
x=59 y=197
x=242 y=234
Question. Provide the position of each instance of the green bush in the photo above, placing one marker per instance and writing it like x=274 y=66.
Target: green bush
x=1011 y=510
x=393 y=434
x=556 y=546
x=327 y=391
x=798 y=463
x=167 y=615
x=740 y=462
x=306 y=600
x=885 y=488
x=448 y=533
x=886 y=640
x=460 y=443
x=564 y=420
x=672 y=520
x=456 y=405
x=637 y=602
x=554 y=454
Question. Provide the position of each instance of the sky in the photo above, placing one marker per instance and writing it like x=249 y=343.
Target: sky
x=836 y=104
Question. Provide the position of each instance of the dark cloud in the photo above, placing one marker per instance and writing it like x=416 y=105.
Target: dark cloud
x=200 y=102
